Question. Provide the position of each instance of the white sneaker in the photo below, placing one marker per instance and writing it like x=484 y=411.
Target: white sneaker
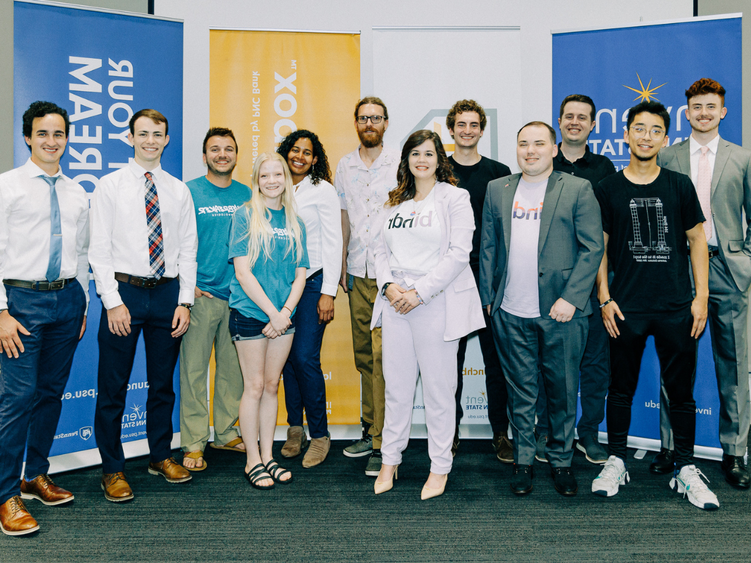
x=689 y=482
x=612 y=476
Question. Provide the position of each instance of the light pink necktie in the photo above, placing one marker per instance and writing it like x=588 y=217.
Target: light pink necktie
x=704 y=190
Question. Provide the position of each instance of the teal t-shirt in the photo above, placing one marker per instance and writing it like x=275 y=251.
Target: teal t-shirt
x=275 y=274
x=214 y=209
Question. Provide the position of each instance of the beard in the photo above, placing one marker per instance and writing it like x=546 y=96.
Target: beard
x=644 y=158
x=370 y=141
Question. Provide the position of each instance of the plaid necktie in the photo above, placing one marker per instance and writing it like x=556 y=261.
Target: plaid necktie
x=56 y=233
x=154 y=224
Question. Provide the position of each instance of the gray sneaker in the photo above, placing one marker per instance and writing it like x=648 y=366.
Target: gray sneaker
x=360 y=448
x=592 y=449
x=542 y=441
x=374 y=464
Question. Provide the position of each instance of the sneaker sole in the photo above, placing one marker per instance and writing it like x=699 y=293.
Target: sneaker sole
x=541 y=459
x=357 y=454
x=603 y=493
x=583 y=450
x=504 y=460
x=372 y=473
x=27 y=496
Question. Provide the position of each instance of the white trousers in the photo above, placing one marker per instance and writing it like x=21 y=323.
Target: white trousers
x=413 y=345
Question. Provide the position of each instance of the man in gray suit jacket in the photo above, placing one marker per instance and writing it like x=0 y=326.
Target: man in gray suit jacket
x=721 y=172
x=541 y=246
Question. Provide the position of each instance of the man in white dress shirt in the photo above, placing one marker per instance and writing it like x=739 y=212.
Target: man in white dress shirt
x=143 y=255
x=44 y=237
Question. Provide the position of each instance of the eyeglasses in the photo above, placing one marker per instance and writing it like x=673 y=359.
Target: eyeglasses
x=654 y=133
x=374 y=119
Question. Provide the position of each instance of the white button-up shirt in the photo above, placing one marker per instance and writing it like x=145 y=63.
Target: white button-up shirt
x=119 y=231
x=25 y=227
x=362 y=193
x=318 y=207
x=695 y=152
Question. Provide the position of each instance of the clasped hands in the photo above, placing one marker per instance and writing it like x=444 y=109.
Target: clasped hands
x=278 y=324
x=402 y=300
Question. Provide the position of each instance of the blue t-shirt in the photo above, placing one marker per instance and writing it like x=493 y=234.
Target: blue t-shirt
x=214 y=208
x=275 y=274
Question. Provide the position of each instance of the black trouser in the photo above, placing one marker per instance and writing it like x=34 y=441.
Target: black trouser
x=495 y=383
x=676 y=350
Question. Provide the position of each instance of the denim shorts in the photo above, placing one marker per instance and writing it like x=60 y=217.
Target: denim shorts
x=247 y=328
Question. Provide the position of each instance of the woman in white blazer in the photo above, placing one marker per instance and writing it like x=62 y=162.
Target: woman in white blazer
x=428 y=301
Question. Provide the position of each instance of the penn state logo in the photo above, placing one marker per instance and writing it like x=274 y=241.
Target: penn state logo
x=86 y=432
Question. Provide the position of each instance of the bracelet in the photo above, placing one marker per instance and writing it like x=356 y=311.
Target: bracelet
x=188 y=306
x=419 y=298
x=288 y=309
x=606 y=302
x=383 y=291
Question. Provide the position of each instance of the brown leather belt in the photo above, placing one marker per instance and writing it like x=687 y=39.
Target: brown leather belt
x=40 y=285
x=148 y=283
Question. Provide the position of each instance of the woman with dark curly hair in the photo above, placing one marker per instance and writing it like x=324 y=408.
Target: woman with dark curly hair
x=318 y=207
x=429 y=300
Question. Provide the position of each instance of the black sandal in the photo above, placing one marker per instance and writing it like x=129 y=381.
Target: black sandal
x=276 y=472
x=259 y=473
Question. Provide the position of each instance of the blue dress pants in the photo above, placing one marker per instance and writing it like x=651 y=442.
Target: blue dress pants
x=304 y=386
x=151 y=312
x=31 y=386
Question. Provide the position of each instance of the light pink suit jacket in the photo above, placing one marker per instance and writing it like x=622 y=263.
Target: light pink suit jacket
x=451 y=276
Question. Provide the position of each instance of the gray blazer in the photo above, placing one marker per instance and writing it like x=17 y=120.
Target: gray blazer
x=570 y=246
x=731 y=196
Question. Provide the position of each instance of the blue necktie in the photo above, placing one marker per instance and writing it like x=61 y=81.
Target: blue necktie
x=56 y=233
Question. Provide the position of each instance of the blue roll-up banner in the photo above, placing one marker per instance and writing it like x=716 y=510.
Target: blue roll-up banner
x=618 y=68
x=102 y=68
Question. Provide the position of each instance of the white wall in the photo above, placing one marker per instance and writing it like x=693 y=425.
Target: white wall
x=536 y=19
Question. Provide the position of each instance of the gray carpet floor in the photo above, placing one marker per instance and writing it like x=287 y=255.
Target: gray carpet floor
x=329 y=513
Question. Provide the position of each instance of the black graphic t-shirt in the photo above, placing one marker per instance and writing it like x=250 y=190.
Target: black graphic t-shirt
x=647 y=245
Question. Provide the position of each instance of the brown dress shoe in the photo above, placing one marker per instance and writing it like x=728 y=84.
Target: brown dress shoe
x=15 y=520
x=43 y=489
x=170 y=470
x=116 y=488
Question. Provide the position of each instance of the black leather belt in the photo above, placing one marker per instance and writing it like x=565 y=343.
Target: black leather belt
x=148 y=283
x=40 y=285
x=713 y=251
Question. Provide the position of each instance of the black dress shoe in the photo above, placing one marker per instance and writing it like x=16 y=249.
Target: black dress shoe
x=735 y=471
x=521 y=482
x=663 y=463
x=564 y=481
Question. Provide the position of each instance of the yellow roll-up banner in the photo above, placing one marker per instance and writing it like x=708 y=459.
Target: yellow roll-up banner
x=263 y=86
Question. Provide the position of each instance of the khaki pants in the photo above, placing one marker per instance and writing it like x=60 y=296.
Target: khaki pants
x=367 y=346
x=209 y=320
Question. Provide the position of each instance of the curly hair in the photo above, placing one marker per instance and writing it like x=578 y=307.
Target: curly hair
x=463 y=106
x=406 y=189
x=320 y=170
x=40 y=109
x=706 y=86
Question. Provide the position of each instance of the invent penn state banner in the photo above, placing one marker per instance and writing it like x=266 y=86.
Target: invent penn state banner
x=619 y=68
x=419 y=95
x=266 y=84
x=104 y=67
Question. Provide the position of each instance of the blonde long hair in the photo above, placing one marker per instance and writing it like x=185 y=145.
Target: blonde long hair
x=260 y=233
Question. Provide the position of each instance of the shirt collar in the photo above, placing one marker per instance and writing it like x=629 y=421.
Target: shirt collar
x=139 y=171
x=385 y=157
x=562 y=158
x=695 y=147
x=34 y=171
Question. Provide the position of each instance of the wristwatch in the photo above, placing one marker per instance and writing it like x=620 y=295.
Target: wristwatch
x=188 y=306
